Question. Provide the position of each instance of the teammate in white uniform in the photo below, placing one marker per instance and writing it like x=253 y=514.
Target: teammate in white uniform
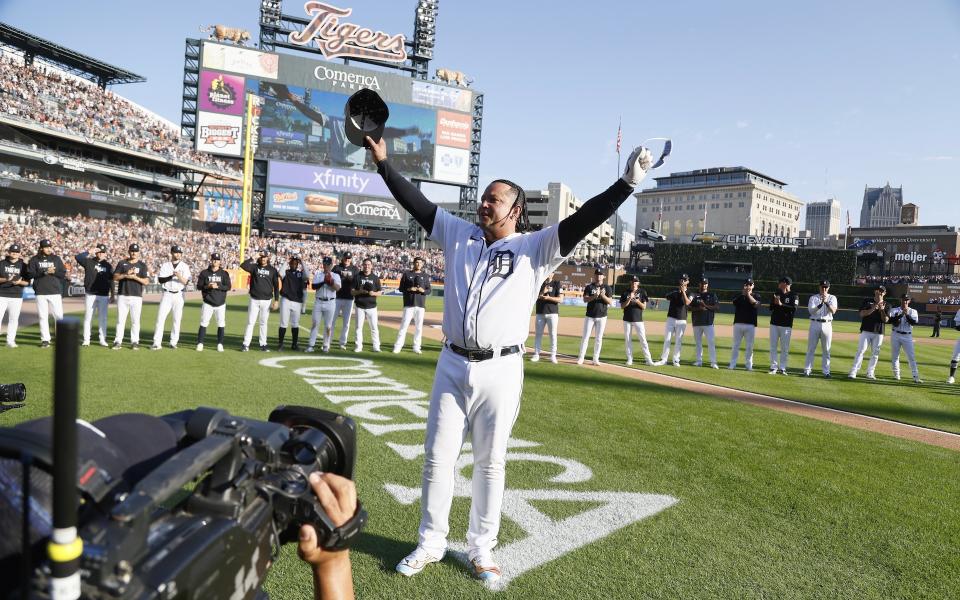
x=822 y=307
x=344 y=303
x=548 y=316
x=598 y=297
x=493 y=274
x=415 y=286
x=873 y=317
x=48 y=274
x=955 y=359
x=327 y=284
x=903 y=318
x=173 y=277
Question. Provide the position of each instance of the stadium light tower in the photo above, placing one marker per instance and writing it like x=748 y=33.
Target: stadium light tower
x=270 y=12
x=425 y=29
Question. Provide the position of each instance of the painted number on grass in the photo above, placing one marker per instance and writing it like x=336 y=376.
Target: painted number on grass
x=364 y=391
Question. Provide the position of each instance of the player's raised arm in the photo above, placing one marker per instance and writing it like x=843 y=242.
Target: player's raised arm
x=601 y=207
x=407 y=194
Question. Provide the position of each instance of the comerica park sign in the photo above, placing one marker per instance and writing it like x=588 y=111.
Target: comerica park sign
x=737 y=239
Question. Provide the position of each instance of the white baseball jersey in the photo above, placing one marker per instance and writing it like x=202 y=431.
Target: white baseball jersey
x=167 y=270
x=904 y=326
x=822 y=312
x=487 y=300
x=325 y=292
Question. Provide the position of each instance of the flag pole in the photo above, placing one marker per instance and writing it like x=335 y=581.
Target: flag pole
x=619 y=138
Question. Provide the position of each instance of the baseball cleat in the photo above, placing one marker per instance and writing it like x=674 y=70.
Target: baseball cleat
x=659 y=363
x=358 y=348
x=535 y=358
x=244 y=348
x=104 y=344
x=872 y=376
x=396 y=350
x=676 y=363
x=44 y=344
x=12 y=345
x=155 y=347
x=595 y=362
x=897 y=377
x=698 y=364
x=783 y=371
x=135 y=347
x=117 y=346
x=731 y=367
x=579 y=361
x=295 y=348
x=749 y=369
x=806 y=373
x=173 y=346
x=486 y=570
x=416 y=561
x=376 y=349
x=85 y=345
x=950 y=379
x=917 y=380
x=326 y=350
x=553 y=359
x=309 y=349
x=417 y=351
x=199 y=347
x=851 y=375
x=219 y=347
x=343 y=346
x=629 y=361
x=826 y=376
x=772 y=372
x=714 y=366
x=264 y=349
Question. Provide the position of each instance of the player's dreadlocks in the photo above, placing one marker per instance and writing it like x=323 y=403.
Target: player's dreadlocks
x=523 y=221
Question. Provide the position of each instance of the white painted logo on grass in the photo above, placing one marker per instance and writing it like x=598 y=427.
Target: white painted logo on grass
x=359 y=382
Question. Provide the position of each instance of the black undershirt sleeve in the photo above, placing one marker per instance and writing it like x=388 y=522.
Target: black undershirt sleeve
x=409 y=196
x=594 y=212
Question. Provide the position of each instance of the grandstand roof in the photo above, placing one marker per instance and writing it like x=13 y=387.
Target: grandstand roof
x=69 y=60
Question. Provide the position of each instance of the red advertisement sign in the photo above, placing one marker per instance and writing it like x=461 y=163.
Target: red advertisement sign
x=453 y=129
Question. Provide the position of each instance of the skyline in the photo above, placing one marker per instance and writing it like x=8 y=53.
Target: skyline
x=830 y=99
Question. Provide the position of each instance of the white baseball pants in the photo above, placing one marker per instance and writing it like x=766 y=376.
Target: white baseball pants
x=131 y=305
x=873 y=341
x=367 y=314
x=628 y=328
x=482 y=399
x=345 y=312
x=257 y=311
x=673 y=330
x=905 y=341
x=290 y=312
x=169 y=302
x=324 y=311
x=11 y=307
x=207 y=312
x=415 y=314
x=700 y=332
x=779 y=346
x=588 y=324
x=100 y=304
x=48 y=304
x=549 y=321
x=743 y=331
x=821 y=333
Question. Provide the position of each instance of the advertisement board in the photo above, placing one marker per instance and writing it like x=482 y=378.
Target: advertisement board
x=222 y=57
x=307 y=204
x=220 y=93
x=219 y=134
x=219 y=201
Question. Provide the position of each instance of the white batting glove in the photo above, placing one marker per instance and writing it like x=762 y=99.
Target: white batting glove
x=637 y=166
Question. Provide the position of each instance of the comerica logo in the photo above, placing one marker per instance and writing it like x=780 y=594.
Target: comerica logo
x=373 y=208
x=344 y=79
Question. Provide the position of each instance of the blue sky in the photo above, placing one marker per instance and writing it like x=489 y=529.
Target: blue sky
x=827 y=96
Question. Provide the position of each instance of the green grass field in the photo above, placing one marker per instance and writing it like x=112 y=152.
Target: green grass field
x=768 y=504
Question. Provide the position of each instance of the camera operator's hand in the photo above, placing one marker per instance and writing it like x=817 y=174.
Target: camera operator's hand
x=332 y=575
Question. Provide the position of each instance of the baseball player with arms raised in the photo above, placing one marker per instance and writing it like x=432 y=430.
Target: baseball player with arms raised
x=98 y=283
x=213 y=283
x=494 y=270
x=903 y=318
x=598 y=297
x=327 y=285
x=415 y=286
x=173 y=277
x=548 y=315
x=264 y=297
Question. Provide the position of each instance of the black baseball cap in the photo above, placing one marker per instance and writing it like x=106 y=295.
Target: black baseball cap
x=328 y=260
x=134 y=248
x=45 y=243
x=748 y=281
x=880 y=288
x=13 y=248
x=347 y=254
x=101 y=248
x=215 y=256
x=786 y=280
x=906 y=297
x=824 y=283
x=364 y=114
x=598 y=271
x=175 y=249
x=634 y=278
x=264 y=252
x=684 y=277
x=704 y=280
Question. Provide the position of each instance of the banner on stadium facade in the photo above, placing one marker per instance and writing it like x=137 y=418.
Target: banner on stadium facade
x=946 y=294
x=334 y=230
x=219 y=134
x=223 y=57
x=737 y=239
x=220 y=93
x=320 y=178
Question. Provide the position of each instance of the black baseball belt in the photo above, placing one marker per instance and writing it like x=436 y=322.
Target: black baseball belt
x=479 y=355
x=822 y=320
x=903 y=332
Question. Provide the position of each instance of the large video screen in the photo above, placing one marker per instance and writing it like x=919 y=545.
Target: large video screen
x=312 y=166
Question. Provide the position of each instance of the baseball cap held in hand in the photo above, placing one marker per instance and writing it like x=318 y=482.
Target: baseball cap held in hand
x=365 y=114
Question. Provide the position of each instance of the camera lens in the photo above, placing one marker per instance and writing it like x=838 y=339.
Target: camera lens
x=312 y=447
x=13 y=392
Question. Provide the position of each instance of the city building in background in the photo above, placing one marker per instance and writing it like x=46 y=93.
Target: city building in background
x=910 y=214
x=881 y=206
x=730 y=200
x=907 y=250
x=823 y=219
x=557 y=202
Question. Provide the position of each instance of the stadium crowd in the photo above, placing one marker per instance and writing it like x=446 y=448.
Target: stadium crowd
x=897 y=279
x=55 y=100
x=73 y=235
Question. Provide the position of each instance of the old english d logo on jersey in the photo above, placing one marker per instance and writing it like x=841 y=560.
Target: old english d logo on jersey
x=502 y=264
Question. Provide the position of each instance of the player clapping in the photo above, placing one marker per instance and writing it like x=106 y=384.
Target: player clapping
x=213 y=283
x=327 y=285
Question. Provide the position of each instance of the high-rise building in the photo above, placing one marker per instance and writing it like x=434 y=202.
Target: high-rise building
x=557 y=202
x=881 y=206
x=734 y=200
x=823 y=219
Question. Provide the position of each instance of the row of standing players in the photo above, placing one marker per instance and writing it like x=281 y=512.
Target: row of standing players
x=342 y=291
x=702 y=306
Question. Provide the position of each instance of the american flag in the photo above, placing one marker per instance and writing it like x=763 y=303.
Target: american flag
x=619 y=137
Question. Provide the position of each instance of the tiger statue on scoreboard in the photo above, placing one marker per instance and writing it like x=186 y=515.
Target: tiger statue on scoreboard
x=222 y=33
